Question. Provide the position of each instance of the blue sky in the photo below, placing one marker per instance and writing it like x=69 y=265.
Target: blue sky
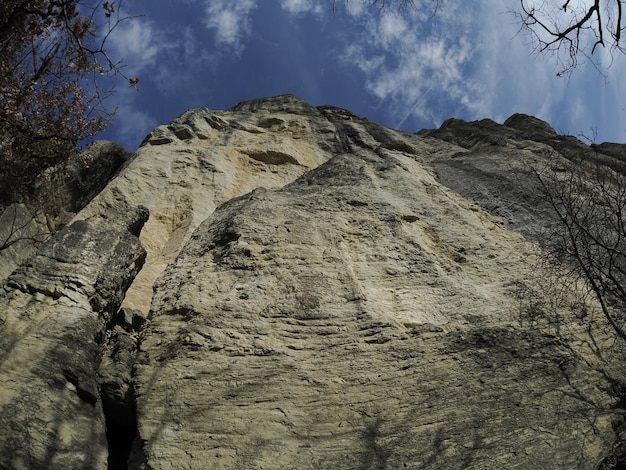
x=408 y=70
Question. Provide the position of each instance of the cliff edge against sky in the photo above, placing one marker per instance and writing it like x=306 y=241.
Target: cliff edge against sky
x=286 y=286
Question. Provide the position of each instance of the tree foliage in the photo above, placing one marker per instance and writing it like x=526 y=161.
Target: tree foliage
x=52 y=54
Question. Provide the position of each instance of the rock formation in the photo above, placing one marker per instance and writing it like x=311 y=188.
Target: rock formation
x=54 y=314
x=318 y=292
x=58 y=197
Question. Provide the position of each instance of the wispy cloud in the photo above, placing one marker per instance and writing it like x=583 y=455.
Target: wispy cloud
x=469 y=63
x=137 y=42
x=356 y=9
x=133 y=124
x=418 y=67
x=300 y=7
x=155 y=55
x=230 y=20
x=407 y=60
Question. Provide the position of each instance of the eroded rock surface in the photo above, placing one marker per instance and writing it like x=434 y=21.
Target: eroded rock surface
x=54 y=312
x=59 y=195
x=360 y=317
x=315 y=291
x=496 y=164
x=22 y=231
x=204 y=158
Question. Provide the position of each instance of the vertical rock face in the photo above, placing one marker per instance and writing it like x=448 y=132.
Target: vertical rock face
x=184 y=170
x=58 y=196
x=54 y=312
x=21 y=231
x=310 y=290
x=361 y=317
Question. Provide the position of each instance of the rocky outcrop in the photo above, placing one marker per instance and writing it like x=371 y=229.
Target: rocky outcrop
x=360 y=317
x=59 y=195
x=22 y=231
x=317 y=292
x=496 y=165
x=54 y=315
x=184 y=170
x=69 y=188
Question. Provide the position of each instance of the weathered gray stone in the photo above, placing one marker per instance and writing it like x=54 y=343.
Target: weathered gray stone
x=68 y=188
x=63 y=191
x=22 y=231
x=498 y=164
x=54 y=312
x=360 y=317
x=322 y=292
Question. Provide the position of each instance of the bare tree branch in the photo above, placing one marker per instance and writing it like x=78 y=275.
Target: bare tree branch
x=400 y=5
x=591 y=235
x=573 y=31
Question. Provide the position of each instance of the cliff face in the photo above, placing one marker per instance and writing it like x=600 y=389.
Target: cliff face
x=316 y=291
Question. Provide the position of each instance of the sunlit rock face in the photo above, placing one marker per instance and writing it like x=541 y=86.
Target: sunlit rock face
x=316 y=291
x=55 y=313
x=184 y=170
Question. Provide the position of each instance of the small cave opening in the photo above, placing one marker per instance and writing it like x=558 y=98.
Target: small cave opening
x=121 y=431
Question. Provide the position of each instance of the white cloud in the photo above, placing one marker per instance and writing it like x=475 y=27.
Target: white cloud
x=357 y=8
x=300 y=7
x=230 y=20
x=612 y=103
x=136 y=43
x=133 y=125
x=513 y=78
x=130 y=123
x=355 y=54
x=474 y=63
x=413 y=65
x=463 y=62
x=391 y=27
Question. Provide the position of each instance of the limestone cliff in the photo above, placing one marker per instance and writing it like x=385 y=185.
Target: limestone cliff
x=316 y=291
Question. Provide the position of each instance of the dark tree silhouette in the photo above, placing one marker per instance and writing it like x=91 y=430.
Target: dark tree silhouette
x=590 y=236
x=572 y=30
x=52 y=56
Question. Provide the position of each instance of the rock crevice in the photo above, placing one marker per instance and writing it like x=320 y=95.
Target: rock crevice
x=280 y=285
x=55 y=313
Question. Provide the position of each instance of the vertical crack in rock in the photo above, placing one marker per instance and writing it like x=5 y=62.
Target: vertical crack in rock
x=55 y=313
x=116 y=388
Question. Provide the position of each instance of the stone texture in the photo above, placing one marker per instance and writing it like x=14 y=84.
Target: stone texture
x=363 y=316
x=495 y=165
x=184 y=170
x=22 y=231
x=318 y=292
x=54 y=311
x=63 y=192
x=67 y=189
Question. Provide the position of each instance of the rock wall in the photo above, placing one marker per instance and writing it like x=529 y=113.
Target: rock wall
x=361 y=317
x=54 y=314
x=60 y=193
x=184 y=170
x=318 y=292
